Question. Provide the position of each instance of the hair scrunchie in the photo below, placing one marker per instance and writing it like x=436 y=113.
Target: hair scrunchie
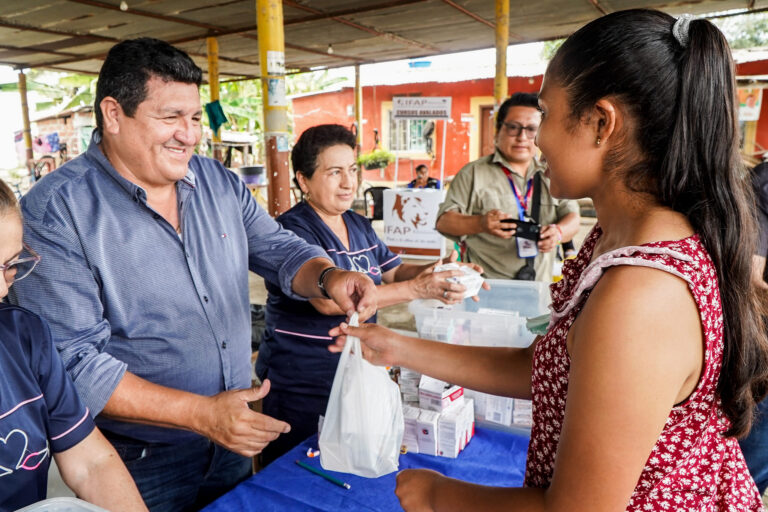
x=680 y=29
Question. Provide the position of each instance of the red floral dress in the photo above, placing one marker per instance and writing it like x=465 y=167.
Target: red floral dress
x=691 y=467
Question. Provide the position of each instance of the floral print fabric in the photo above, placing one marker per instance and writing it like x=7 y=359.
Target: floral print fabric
x=691 y=467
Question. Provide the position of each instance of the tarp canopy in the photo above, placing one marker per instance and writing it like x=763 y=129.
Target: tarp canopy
x=74 y=35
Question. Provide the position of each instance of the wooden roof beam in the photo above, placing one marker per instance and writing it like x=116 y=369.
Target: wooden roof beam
x=364 y=28
x=146 y=14
x=596 y=4
x=475 y=17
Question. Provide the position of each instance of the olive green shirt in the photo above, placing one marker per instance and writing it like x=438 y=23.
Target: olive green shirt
x=482 y=186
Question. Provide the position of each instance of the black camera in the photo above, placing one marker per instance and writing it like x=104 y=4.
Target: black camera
x=526 y=273
x=524 y=229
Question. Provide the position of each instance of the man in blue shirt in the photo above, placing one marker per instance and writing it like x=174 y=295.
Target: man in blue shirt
x=146 y=249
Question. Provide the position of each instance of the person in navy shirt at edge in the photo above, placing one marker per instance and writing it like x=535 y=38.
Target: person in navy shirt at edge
x=422 y=178
x=40 y=412
x=147 y=249
x=293 y=353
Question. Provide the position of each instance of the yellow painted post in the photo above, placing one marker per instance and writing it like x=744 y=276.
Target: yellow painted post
x=502 y=41
x=213 y=85
x=25 y=118
x=269 y=20
x=358 y=108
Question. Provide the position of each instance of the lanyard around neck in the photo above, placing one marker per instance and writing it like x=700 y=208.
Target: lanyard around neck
x=522 y=201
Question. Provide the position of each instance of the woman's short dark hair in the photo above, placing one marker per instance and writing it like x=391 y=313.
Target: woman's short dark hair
x=8 y=202
x=519 y=99
x=129 y=66
x=680 y=147
x=313 y=141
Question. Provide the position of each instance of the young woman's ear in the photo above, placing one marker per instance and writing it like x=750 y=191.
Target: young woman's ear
x=604 y=121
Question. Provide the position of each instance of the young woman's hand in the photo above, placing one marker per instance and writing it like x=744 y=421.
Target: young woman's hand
x=416 y=488
x=379 y=344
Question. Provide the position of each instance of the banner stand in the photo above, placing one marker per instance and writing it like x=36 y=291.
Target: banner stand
x=410 y=214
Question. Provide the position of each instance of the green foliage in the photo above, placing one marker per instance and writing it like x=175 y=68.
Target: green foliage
x=67 y=90
x=550 y=47
x=745 y=31
x=376 y=159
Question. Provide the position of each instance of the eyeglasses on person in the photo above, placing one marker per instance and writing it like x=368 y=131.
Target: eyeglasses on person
x=22 y=266
x=515 y=129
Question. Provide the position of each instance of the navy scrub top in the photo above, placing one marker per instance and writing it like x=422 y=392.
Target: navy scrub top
x=40 y=411
x=293 y=353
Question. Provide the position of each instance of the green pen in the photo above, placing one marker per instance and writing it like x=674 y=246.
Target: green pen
x=324 y=475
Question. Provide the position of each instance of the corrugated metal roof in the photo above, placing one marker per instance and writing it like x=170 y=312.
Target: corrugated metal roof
x=74 y=35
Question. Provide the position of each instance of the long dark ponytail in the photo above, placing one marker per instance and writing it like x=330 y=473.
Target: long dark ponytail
x=681 y=98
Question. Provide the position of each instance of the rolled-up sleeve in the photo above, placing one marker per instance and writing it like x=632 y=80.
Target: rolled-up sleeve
x=566 y=206
x=65 y=292
x=274 y=252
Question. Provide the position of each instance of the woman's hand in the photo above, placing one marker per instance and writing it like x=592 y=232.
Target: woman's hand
x=379 y=344
x=416 y=488
x=435 y=285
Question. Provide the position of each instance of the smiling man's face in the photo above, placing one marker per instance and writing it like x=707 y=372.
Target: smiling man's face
x=157 y=143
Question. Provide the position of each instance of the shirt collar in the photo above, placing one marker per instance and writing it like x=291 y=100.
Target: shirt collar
x=533 y=167
x=136 y=192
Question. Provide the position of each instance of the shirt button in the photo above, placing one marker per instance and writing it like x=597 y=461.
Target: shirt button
x=205 y=298
x=156 y=216
x=224 y=344
x=186 y=254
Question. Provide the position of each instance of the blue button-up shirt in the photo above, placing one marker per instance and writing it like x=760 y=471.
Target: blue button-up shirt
x=123 y=291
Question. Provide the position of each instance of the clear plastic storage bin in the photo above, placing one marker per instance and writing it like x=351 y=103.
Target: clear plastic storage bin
x=498 y=320
x=62 y=505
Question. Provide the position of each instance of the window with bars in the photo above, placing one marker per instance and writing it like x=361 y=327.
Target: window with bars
x=407 y=135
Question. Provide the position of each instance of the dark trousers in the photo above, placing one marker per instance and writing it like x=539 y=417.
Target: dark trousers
x=181 y=477
x=755 y=447
x=300 y=411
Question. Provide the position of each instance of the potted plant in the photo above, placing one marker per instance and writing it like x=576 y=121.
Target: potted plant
x=376 y=159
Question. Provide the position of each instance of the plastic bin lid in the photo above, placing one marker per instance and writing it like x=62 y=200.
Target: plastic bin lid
x=62 y=505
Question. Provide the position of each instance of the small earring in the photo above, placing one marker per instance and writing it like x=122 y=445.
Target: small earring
x=598 y=141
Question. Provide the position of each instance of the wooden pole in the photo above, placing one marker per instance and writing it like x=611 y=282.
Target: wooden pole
x=213 y=84
x=269 y=20
x=502 y=41
x=25 y=117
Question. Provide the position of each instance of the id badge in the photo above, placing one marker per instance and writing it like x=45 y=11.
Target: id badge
x=526 y=248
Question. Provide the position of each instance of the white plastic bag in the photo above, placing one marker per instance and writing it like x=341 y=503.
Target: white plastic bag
x=363 y=426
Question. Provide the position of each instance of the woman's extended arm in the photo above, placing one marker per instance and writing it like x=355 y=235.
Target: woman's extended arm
x=94 y=471
x=494 y=370
x=626 y=374
x=408 y=281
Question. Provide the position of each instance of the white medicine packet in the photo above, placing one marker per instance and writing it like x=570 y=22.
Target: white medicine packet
x=471 y=279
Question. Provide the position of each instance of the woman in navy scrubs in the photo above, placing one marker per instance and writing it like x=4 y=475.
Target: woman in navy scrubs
x=293 y=353
x=40 y=412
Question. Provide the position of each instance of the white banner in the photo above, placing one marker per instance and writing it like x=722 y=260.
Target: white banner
x=409 y=222
x=421 y=107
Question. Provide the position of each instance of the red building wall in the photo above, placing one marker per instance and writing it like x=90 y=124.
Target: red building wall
x=337 y=107
x=759 y=67
x=334 y=107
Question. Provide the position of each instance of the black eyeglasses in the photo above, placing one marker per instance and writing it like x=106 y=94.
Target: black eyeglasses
x=22 y=266
x=515 y=129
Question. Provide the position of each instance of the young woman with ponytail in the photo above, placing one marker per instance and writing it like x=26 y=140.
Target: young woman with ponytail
x=655 y=354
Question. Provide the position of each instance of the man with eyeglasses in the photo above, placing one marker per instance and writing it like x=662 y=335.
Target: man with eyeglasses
x=488 y=194
x=146 y=249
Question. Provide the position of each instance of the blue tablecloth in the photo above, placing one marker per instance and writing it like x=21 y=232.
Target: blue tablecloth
x=491 y=458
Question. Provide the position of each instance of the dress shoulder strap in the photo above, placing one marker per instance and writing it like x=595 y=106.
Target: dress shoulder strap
x=660 y=258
